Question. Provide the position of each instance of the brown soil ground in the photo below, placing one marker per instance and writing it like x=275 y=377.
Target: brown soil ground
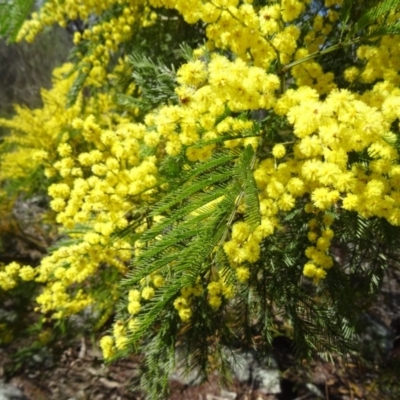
x=78 y=373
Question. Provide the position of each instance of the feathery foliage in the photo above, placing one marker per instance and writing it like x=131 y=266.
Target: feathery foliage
x=13 y=14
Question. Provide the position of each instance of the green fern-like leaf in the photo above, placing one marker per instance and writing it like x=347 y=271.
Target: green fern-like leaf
x=76 y=88
x=371 y=15
x=12 y=16
x=186 y=243
x=345 y=11
x=387 y=29
x=252 y=207
x=155 y=80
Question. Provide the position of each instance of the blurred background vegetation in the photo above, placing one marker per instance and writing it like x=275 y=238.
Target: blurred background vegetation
x=26 y=67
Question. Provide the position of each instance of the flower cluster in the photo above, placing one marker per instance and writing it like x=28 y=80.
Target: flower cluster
x=13 y=273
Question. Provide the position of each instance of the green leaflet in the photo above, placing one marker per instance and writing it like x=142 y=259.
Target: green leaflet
x=76 y=88
x=245 y=172
x=196 y=186
x=12 y=16
x=192 y=261
x=371 y=16
x=389 y=29
x=189 y=244
x=198 y=201
x=187 y=185
x=155 y=80
x=368 y=18
x=345 y=11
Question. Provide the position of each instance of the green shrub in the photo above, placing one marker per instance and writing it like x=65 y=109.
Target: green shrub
x=218 y=169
